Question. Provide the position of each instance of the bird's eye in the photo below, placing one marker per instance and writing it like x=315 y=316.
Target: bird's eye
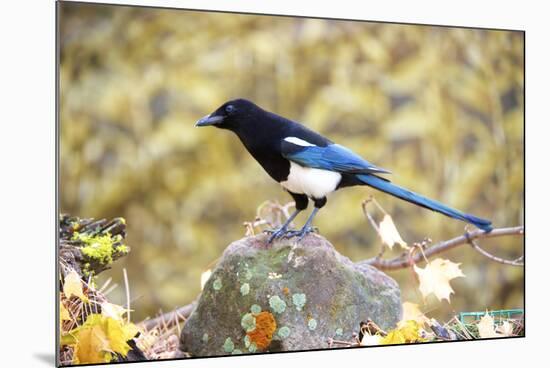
x=229 y=109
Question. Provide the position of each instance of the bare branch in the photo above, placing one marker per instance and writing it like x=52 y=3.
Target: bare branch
x=516 y=262
x=368 y=215
x=371 y=220
x=404 y=261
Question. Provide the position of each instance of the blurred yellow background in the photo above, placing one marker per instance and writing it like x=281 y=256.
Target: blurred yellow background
x=442 y=108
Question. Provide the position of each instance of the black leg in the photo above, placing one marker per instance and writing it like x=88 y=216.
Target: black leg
x=301 y=201
x=307 y=228
x=283 y=229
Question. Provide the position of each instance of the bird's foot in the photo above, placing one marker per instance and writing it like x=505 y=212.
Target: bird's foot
x=300 y=234
x=276 y=233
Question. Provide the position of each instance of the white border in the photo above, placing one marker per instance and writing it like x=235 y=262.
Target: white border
x=27 y=181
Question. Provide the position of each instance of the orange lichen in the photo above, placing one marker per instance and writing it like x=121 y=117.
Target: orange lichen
x=286 y=291
x=263 y=333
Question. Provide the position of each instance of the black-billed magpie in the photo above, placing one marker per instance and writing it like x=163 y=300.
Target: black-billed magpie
x=308 y=165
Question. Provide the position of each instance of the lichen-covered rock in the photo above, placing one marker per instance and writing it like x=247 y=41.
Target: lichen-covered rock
x=286 y=296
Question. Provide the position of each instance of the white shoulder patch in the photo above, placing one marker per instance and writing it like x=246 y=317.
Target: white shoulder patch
x=298 y=142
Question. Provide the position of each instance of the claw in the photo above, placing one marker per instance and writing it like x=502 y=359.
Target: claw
x=304 y=232
x=287 y=234
x=276 y=234
x=300 y=234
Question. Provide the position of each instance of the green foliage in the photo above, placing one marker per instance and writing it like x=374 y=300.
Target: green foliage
x=441 y=107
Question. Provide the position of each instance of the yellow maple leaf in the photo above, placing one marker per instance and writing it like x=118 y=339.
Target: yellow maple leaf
x=389 y=234
x=113 y=311
x=486 y=327
x=409 y=332
x=64 y=314
x=393 y=337
x=92 y=346
x=411 y=312
x=118 y=336
x=73 y=286
x=436 y=276
x=104 y=335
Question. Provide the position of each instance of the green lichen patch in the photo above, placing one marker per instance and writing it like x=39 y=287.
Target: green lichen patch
x=217 y=284
x=228 y=345
x=339 y=332
x=248 y=274
x=100 y=248
x=245 y=289
x=255 y=309
x=247 y=341
x=236 y=352
x=283 y=332
x=252 y=348
x=205 y=338
x=248 y=322
x=299 y=300
x=277 y=304
x=312 y=324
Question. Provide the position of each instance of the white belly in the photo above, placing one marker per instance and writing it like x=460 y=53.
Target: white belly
x=315 y=183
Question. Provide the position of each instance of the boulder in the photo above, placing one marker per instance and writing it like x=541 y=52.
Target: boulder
x=286 y=296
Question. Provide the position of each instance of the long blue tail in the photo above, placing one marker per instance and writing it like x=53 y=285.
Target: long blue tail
x=387 y=187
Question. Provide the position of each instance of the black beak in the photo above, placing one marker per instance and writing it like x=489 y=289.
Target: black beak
x=209 y=120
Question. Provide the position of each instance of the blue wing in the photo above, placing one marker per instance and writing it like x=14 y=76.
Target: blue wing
x=332 y=157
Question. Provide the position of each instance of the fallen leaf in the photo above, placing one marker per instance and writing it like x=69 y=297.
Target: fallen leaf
x=389 y=234
x=91 y=347
x=436 y=276
x=73 y=286
x=407 y=333
x=98 y=338
x=118 y=334
x=370 y=340
x=506 y=329
x=113 y=311
x=393 y=337
x=64 y=314
x=486 y=327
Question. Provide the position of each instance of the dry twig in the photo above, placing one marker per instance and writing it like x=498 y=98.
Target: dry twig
x=170 y=318
x=403 y=261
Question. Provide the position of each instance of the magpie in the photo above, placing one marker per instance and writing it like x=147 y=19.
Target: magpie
x=308 y=165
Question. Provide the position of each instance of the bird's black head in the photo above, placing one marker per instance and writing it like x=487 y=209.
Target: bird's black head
x=232 y=115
